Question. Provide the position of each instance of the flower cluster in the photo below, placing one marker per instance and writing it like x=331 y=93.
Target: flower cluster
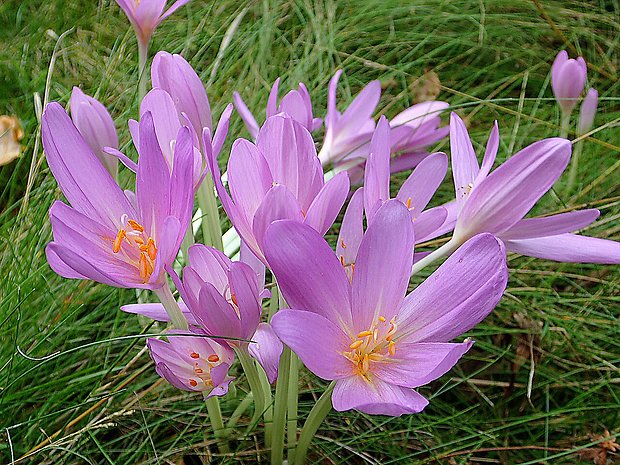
x=346 y=313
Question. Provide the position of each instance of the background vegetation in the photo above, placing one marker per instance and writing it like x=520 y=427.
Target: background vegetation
x=540 y=385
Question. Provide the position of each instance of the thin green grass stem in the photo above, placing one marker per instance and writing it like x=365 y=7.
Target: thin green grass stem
x=316 y=416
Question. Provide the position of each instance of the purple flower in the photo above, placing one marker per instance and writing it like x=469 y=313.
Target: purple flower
x=415 y=193
x=295 y=104
x=588 y=111
x=377 y=343
x=96 y=127
x=568 y=78
x=176 y=76
x=223 y=298
x=498 y=202
x=347 y=135
x=279 y=177
x=145 y=16
x=107 y=235
x=192 y=363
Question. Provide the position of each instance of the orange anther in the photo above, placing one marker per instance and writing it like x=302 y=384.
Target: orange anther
x=344 y=246
x=213 y=358
x=392 y=348
x=194 y=355
x=356 y=344
x=193 y=383
x=198 y=370
x=139 y=240
x=364 y=334
x=409 y=203
x=152 y=250
x=135 y=225
x=144 y=247
x=116 y=247
x=144 y=266
x=389 y=337
x=233 y=297
x=342 y=260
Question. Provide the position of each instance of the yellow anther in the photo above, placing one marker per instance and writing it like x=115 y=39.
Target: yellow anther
x=213 y=358
x=392 y=348
x=152 y=250
x=135 y=225
x=144 y=266
x=382 y=319
x=356 y=344
x=375 y=357
x=139 y=240
x=364 y=334
x=365 y=363
x=116 y=247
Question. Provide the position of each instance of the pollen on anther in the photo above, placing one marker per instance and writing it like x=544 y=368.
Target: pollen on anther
x=213 y=358
x=392 y=348
x=116 y=247
x=193 y=383
x=144 y=269
x=409 y=203
x=342 y=260
x=344 y=246
x=135 y=225
x=356 y=344
x=194 y=355
x=233 y=297
x=364 y=334
x=382 y=319
x=151 y=249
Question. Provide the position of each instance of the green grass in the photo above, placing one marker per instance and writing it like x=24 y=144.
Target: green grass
x=87 y=392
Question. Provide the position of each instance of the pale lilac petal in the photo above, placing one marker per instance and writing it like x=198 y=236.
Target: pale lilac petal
x=182 y=179
x=243 y=287
x=429 y=224
x=293 y=105
x=332 y=111
x=124 y=159
x=210 y=264
x=222 y=129
x=328 y=202
x=360 y=110
x=157 y=312
x=588 y=111
x=59 y=266
x=553 y=225
x=407 y=161
x=419 y=114
x=509 y=192
x=383 y=266
x=376 y=397
x=266 y=349
x=419 y=188
x=489 y=154
x=75 y=167
x=174 y=7
x=278 y=204
x=377 y=175
x=319 y=345
x=308 y=272
x=165 y=119
x=216 y=314
x=417 y=364
x=570 y=248
x=168 y=238
x=247 y=256
x=568 y=78
x=464 y=163
x=246 y=115
x=458 y=296
x=351 y=229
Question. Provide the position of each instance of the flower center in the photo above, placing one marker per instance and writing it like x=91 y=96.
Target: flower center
x=136 y=247
x=373 y=345
x=201 y=371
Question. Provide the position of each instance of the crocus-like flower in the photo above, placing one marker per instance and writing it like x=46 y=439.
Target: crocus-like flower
x=296 y=104
x=415 y=193
x=176 y=76
x=107 y=235
x=192 y=363
x=347 y=135
x=223 y=298
x=145 y=16
x=588 y=111
x=278 y=178
x=568 y=78
x=498 y=202
x=377 y=343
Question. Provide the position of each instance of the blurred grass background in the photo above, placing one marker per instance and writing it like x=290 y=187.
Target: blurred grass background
x=542 y=383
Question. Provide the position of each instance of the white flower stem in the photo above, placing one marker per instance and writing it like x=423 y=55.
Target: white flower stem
x=172 y=307
x=215 y=416
x=574 y=167
x=211 y=229
x=279 y=409
x=251 y=373
x=442 y=251
x=565 y=125
x=143 y=56
x=292 y=395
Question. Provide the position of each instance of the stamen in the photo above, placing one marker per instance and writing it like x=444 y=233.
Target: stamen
x=342 y=244
x=356 y=344
x=135 y=225
x=375 y=357
x=152 y=250
x=233 y=297
x=198 y=370
x=213 y=358
x=144 y=268
x=194 y=355
x=139 y=240
x=116 y=247
x=193 y=383
x=408 y=203
x=392 y=348
x=342 y=261
x=364 y=334
x=382 y=319
x=365 y=363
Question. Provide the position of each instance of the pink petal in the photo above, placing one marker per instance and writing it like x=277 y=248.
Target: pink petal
x=266 y=349
x=377 y=174
x=551 y=225
x=464 y=163
x=328 y=203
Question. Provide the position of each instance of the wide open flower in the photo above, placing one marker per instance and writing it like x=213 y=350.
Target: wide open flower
x=568 y=78
x=278 y=178
x=377 y=343
x=296 y=104
x=347 y=135
x=415 y=193
x=498 y=202
x=145 y=16
x=95 y=124
x=223 y=298
x=192 y=363
x=107 y=235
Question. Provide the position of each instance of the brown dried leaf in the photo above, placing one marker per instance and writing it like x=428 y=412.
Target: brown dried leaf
x=426 y=87
x=11 y=134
